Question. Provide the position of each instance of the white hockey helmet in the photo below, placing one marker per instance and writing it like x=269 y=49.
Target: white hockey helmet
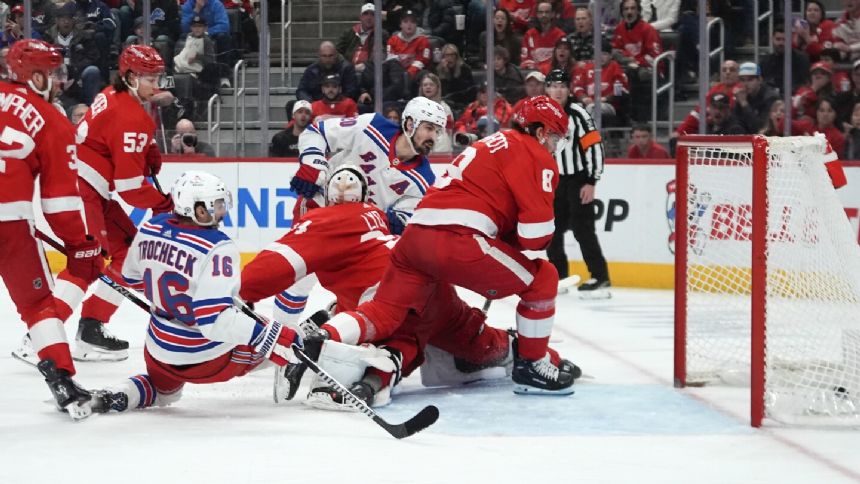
x=193 y=187
x=423 y=109
x=346 y=184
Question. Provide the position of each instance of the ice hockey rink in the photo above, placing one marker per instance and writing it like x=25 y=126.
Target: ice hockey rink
x=625 y=423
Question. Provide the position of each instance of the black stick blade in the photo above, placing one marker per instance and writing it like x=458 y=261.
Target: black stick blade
x=425 y=418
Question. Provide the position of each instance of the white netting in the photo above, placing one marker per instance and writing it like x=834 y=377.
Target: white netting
x=813 y=270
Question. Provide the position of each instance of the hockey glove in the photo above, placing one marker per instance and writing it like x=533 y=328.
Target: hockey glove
x=305 y=181
x=153 y=160
x=275 y=343
x=85 y=260
x=163 y=207
x=397 y=220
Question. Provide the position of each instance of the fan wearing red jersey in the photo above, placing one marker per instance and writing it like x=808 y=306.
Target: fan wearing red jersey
x=495 y=201
x=37 y=141
x=116 y=151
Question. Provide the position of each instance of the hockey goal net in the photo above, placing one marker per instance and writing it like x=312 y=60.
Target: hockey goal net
x=767 y=278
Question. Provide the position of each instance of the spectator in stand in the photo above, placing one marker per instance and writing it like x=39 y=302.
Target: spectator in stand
x=77 y=113
x=520 y=12
x=95 y=15
x=840 y=79
x=846 y=34
x=392 y=85
x=639 y=44
x=185 y=141
x=582 y=39
x=643 y=147
x=468 y=121
x=164 y=24
x=687 y=50
x=775 y=119
x=218 y=27
x=772 y=65
x=562 y=58
x=534 y=87
x=852 y=135
x=43 y=13
x=825 y=122
x=196 y=51
x=753 y=99
x=392 y=113
x=661 y=14
x=13 y=27
x=392 y=12
x=815 y=32
x=846 y=100
x=356 y=43
x=805 y=99
x=504 y=35
x=614 y=88
x=329 y=62
x=438 y=22
x=539 y=41
x=564 y=17
x=729 y=84
x=508 y=78
x=333 y=103
x=431 y=88
x=719 y=117
x=409 y=47
x=285 y=143
x=80 y=54
x=458 y=85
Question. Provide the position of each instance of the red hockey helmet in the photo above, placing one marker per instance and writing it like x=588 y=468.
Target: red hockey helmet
x=140 y=59
x=542 y=109
x=27 y=56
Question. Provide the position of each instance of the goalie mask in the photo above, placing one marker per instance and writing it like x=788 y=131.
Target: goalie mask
x=194 y=187
x=346 y=185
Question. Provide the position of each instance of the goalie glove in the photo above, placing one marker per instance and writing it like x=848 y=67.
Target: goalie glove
x=307 y=181
x=275 y=343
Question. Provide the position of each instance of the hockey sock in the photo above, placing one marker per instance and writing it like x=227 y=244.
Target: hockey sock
x=534 y=326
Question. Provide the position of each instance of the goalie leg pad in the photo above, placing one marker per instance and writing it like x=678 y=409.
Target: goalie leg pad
x=347 y=364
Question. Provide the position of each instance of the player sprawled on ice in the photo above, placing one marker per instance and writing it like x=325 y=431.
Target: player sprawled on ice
x=495 y=201
x=392 y=157
x=116 y=151
x=39 y=142
x=332 y=241
x=189 y=269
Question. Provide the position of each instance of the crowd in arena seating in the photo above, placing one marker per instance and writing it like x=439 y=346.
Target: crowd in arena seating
x=437 y=48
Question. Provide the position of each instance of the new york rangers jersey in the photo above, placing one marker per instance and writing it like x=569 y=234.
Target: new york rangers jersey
x=368 y=141
x=190 y=274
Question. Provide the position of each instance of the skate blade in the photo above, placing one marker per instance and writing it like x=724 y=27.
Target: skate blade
x=87 y=352
x=28 y=358
x=595 y=295
x=528 y=390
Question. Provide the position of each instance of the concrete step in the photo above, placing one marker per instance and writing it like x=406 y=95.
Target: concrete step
x=331 y=29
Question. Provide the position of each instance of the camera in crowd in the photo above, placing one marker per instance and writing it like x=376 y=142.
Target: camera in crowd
x=189 y=140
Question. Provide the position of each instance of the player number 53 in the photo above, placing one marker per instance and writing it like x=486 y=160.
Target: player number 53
x=133 y=142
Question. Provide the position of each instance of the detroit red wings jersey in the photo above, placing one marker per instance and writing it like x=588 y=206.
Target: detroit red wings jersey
x=501 y=185
x=113 y=139
x=347 y=246
x=520 y=11
x=642 y=42
x=612 y=72
x=343 y=107
x=413 y=54
x=538 y=46
x=37 y=141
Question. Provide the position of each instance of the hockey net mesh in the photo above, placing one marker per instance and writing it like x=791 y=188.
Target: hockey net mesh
x=812 y=357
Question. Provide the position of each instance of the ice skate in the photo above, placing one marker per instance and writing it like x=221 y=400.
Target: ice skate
x=594 y=289
x=25 y=351
x=95 y=343
x=69 y=396
x=542 y=377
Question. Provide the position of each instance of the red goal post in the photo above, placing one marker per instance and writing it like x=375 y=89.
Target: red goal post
x=766 y=292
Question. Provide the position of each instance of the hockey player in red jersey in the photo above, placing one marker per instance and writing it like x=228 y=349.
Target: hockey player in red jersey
x=116 y=151
x=38 y=141
x=495 y=201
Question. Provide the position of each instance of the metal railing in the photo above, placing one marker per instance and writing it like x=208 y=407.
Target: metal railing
x=721 y=47
x=214 y=127
x=669 y=57
x=287 y=33
x=759 y=18
x=238 y=107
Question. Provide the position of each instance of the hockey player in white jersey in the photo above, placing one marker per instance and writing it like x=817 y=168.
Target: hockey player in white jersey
x=393 y=159
x=189 y=270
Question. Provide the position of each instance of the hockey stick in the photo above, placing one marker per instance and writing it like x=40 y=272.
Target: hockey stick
x=564 y=283
x=423 y=419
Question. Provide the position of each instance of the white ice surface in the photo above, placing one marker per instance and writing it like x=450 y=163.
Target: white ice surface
x=627 y=424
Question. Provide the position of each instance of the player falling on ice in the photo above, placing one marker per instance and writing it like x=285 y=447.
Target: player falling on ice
x=495 y=201
x=189 y=271
x=392 y=157
x=116 y=151
x=330 y=242
x=37 y=141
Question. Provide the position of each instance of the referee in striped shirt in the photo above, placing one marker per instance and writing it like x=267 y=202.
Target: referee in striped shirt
x=580 y=164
